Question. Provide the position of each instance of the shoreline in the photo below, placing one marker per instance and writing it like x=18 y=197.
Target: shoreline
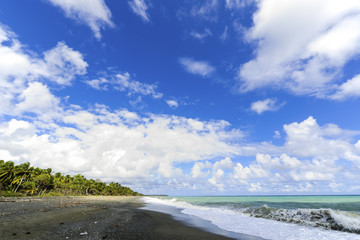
x=90 y=217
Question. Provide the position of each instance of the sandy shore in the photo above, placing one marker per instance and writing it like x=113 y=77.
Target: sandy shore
x=89 y=218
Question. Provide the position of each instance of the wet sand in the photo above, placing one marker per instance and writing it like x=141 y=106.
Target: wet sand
x=90 y=218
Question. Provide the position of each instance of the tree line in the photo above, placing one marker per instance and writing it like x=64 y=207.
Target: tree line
x=24 y=180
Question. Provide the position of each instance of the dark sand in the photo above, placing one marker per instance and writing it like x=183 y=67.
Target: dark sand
x=90 y=218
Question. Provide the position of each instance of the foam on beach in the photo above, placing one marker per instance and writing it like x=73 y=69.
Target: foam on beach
x=236 y=220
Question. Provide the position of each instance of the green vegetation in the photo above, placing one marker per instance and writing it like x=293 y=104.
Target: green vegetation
x=23 y=180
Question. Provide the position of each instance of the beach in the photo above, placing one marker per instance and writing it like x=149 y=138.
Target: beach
x=90 y=217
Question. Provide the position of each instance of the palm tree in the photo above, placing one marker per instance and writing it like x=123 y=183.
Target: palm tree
x=7 y=173
x=21 y=173
x=29 y=187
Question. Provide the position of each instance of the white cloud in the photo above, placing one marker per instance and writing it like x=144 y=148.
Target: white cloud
x=140 y=8
x=255 y=187
x=268 y=104
x=201 y=35
x=172 y=103
x=216 y=180
x=99 y=84
x=83 y=120
x=311 y=158
x=98 y=142
x=350 y=88
x=277 y=134
x=335 y=186
x=62 y=64
x=219 y=172
x=302 y=45
x=108 y=147
x=253 y=171
x=201 y=68
x=37 y=99
x=196 y=170
x=112 y=145
x=223 y=164
x=18 y=69
x=94 y=13
x=236 y=4
x=241 y=172
x=123 y=82
x=13 y=61
x=206 y=10
x=115 y=145
x=225 y=34
x=308 y=139
x=284 y=169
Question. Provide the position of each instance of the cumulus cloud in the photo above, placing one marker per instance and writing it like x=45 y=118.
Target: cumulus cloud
x=324 y=146
x=196 y=170
x=21 y=74
x=97 y=142
x=308 y=139
x=201 y=68
x=350 y=88
x=268 y=104
x=94 y=13
x=115 y=144
x=62 y=64
x=219 y=173
x=37 y=99
x=286 y=168
x=139 y=7
x=312 y=158
x=310 y=153
x=302 y=46
x=123 y=82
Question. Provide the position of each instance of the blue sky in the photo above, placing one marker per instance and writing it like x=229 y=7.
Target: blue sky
x=185 y=97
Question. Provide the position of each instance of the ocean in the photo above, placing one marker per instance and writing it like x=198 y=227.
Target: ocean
x=272 y=217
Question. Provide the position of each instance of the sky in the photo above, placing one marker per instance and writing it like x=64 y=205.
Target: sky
x=212 y=97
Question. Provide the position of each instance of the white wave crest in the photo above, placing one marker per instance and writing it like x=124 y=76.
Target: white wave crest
x=326 y=218
x=237 y=221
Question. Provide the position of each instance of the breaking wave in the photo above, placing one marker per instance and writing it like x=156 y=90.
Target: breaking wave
x=326 y=218
x=271 y=222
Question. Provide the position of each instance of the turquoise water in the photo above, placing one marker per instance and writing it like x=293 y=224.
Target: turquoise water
x=343 y=203
x=277 y=199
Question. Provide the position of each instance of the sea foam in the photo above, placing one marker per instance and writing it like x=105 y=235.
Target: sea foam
x=237 y=220
x=325 y=218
